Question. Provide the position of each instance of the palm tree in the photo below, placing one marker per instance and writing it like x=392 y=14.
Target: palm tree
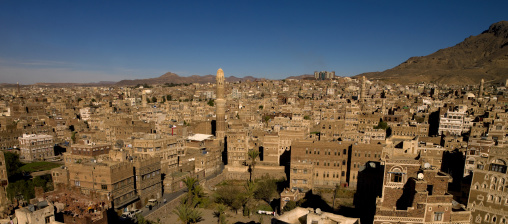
x=187 y=214
x=190 y=182
x=250 y=187
x=253 y=155
x=219 y=214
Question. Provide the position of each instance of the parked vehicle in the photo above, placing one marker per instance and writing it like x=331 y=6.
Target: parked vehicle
x=129 y=214
x=151 y=203
x=266 y=212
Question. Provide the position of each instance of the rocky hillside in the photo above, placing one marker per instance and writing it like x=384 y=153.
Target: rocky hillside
x=482 y=56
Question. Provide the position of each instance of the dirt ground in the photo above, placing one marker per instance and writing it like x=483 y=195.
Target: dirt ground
x=232 y=218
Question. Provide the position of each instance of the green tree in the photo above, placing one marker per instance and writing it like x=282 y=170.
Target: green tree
x=211 y=102
x=142 y=220
x=306 y=117
x=20 y=189
x=12 y=164
x=154 y=99
x=190 y=182
x=169 y=98
x=24 y=189
x=335 y=194
x=187 y=214
x=119 y=143
x=381 y=125
x=290 y=205
x=260 y=107
x=253 y=155
x=266 y=189
x=248 y=195
x=220 y=214
x=230 y=196
x=73 y=137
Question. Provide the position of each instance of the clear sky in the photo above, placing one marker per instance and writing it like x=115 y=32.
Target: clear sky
x=91 y=41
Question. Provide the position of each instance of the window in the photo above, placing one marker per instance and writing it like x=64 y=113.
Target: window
x=104 y=187
x=295 y=170
x=47 y=219
x=77 y=183
x=343 y=173
x=397 y=177
x=501 y=168
x=438 y=216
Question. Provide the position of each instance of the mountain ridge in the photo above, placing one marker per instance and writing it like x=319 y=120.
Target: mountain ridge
x=482 y=56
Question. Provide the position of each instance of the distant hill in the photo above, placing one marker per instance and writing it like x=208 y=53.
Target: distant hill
x=482 y=56
x=300 y=77
x=63 y=84
x=174 y=78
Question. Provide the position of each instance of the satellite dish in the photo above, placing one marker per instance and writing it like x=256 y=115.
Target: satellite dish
x=420 y=176
x=426 y=165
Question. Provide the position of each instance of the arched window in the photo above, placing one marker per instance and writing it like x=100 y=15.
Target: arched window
x=498 y=166
x=396 y=175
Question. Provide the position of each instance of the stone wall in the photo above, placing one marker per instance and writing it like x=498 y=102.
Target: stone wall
x=165 y=209
x=214 y=181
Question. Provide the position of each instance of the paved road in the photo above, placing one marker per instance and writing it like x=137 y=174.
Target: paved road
x=168 y=196
x=172 y=196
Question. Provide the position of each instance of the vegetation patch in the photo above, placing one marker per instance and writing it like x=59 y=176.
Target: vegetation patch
x=38 y=166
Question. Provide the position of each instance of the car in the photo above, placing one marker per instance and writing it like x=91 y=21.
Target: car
x=137 y=211
x=151 y=203
x=266 y=212
x=129 y=214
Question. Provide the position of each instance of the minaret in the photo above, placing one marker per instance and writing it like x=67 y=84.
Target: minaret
x=143 y=98
x=19 y=90
x=481 y=88
x=363 y=90
x=220 y=103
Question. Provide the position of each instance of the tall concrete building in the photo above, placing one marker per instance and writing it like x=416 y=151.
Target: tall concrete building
x=220 y=106
x=323 y=75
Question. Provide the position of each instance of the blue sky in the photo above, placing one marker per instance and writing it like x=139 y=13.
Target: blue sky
x=91 y=41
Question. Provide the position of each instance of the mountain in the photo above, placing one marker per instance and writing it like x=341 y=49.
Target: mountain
x=174 y=78
x=300 y=77
x=482 y=56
